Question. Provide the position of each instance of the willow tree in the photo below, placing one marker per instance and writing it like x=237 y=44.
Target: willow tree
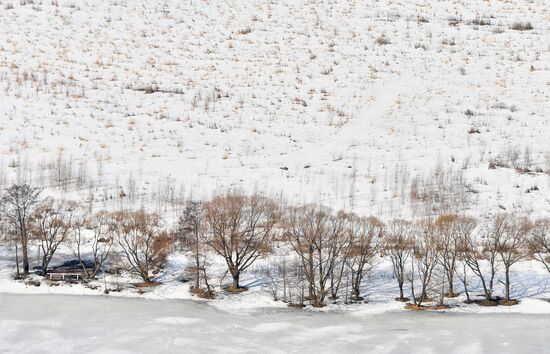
x=398 y=245
x=366 y=235
x=239 y=229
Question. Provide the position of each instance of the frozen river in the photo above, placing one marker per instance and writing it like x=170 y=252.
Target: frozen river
x=86 y=324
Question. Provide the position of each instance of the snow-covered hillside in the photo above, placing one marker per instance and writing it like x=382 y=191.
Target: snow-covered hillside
x=338 y=102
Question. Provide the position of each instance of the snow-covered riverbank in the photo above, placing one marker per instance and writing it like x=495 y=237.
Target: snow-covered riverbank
x=532 y=291
x=68 y=324
x=531 y=287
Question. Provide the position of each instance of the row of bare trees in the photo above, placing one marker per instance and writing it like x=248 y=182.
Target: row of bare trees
x=454 y=246
x=28 y=221
x=308 y=253
x=323 y=254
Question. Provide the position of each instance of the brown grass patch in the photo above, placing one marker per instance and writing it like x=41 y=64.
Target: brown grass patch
x=145 y=285
x=510 y=302
x=414 y=307
x=202 y=293
x=233 y=290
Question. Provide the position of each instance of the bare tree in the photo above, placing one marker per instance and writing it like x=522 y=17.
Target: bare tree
x=20 y=203
x=51 y=228
x=511 y=243
x=398 y=245
x=425 y=254
x=190 y=232
x=462 y=228
x=340 y=244
x=143 y=242
x=449 y=229
x=93 y=233
x=302 y=226
x=462 y=274
x=539 y=242
x=239 y=229
x=318 y=238
x=474 y=250
x=8 y=237
x=366 y=238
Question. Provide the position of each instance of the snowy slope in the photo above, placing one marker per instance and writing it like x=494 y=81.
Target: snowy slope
x=338 y=102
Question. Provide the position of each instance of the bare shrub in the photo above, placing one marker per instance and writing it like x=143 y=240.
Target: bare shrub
x=143 y=242
x=382 y=40
x=275 y=272
x=245 y=30
x=443 y=191
x=453 y=21
x=480 y=22
x=522 y=26
x=512 y=154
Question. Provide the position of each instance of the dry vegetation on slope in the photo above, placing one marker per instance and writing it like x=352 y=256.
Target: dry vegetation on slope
x=364 y=107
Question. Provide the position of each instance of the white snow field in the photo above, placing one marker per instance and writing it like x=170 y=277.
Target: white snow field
x=77 y=324
x=338 y=102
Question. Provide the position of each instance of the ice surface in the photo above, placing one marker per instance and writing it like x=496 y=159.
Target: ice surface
x=70 y=324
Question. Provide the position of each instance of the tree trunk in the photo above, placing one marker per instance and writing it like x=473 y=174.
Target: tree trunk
x=197 y=260
x=236 y=275
x=356 y=284
x=466 y=291
x=451 y=291
x=24 y=247
x=401 y=295
x=197 y=271
x=46 y=259
x=355 y=288
x=205 y=278
x=424 y=294
x=25 y=259
x=17 y=260
x=145 y=277
x=507 y=284
x=284 y=282
x=485 y=290
x=311 y=278
x=44 y=266
x=413 y=293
